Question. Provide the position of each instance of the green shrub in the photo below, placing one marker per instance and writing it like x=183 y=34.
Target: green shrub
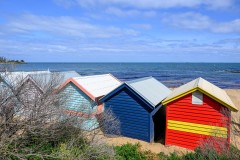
x=162 y=156
x=129 y=152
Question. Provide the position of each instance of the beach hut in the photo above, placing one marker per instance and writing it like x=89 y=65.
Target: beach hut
x=198 y=113
x=16 y=79
x=84 y=94
x=11 y=91
x=41 y=81
x=134 y=104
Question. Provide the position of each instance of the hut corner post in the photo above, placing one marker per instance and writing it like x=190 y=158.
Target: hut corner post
x=151 y=123
x=166 y=130
x=151 y=128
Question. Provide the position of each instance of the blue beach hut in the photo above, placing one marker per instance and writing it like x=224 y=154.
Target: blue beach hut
x=135 y=103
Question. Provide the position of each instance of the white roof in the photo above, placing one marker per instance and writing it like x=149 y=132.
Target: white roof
x=202 y=85
x=16 y=78
x=98 y=85
x=42 y=79
x=150 y=89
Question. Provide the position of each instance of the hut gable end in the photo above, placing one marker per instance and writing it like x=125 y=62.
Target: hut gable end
x=132 y=113
x=77 y=100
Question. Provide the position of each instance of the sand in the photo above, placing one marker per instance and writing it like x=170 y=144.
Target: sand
x=159 y=147
x=234 y=94
x=235 y=97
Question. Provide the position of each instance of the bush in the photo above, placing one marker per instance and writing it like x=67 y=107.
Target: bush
x=201 y=154
x=129 y=152
x=211 y=154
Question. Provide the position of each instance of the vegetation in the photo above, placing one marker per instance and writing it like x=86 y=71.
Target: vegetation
x=34 y=127
x=133 y=152
x=5 y=60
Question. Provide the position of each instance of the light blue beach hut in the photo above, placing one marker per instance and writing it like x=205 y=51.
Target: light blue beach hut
x=83 y=97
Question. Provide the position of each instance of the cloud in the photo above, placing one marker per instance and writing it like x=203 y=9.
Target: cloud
x=150 y=4
x=63 y=25
x=78 y=48
x=235 y=42
x=227 y=27
x=128 y=13
x=141 y=26
x=191 y=20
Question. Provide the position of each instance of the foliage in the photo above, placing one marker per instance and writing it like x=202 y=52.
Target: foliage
x=201 y=154
x=33 y=124
x=129 y=151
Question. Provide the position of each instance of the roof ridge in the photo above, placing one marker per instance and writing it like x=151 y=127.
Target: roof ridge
x=198 y=81
x=145 y=96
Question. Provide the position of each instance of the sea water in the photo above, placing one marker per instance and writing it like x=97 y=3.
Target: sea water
x=224 y=75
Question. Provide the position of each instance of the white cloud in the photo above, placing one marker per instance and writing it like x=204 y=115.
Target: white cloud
x=66 y=26
x=142 y=26
x=73 y=48
x=227 y=27
x=131 y=12
x=191 y=20
x=146 y=4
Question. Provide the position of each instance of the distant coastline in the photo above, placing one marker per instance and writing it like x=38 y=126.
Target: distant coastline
x=13 y=63
x=4 y=60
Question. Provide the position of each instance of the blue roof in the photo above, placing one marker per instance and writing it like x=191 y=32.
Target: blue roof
x=148 y=88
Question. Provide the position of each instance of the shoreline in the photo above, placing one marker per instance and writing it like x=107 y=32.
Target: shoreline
x=12 y=63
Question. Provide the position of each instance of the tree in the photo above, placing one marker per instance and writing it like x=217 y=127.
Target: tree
x=3 y=59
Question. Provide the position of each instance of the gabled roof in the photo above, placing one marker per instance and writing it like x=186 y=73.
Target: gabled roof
x=149 y=89
x=16 y=78
x=95 y=86
x=43 y=79
x=205 y=87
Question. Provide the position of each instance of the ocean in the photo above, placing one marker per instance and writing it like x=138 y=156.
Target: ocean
x=224 y=75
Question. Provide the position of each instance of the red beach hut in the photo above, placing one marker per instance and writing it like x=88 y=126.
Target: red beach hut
x=198 y=113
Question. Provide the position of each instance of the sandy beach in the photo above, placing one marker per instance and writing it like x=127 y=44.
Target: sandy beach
x=159 y=147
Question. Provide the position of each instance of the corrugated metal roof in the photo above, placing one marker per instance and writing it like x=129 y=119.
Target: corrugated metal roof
x=150 y=89
x=42 y=79
x=16 y=78
x=204 y=86
x=98 y=85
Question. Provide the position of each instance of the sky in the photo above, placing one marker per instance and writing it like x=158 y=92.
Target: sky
x=120 y=30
